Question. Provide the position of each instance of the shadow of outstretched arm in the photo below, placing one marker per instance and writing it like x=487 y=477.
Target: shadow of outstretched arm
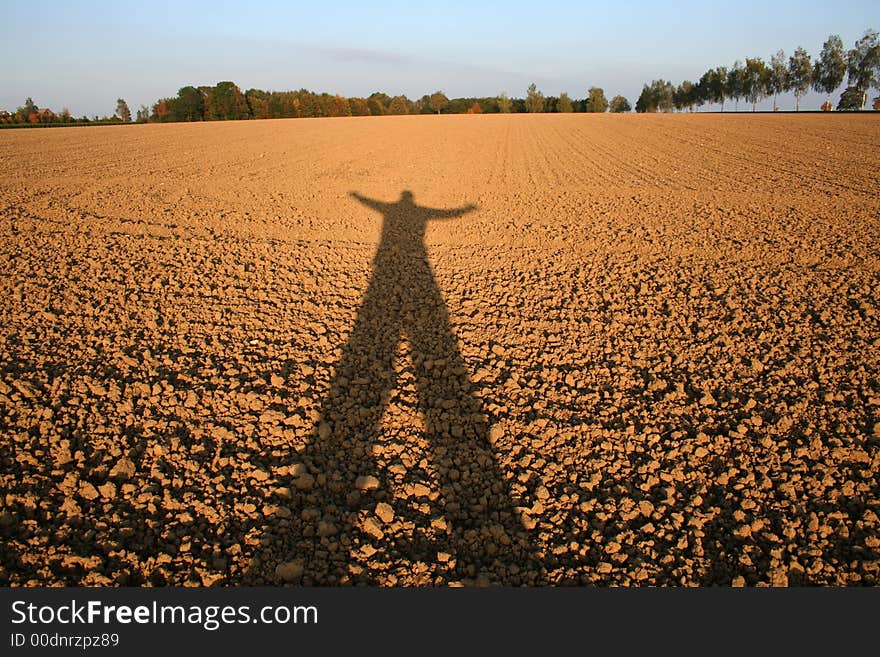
x=378 y=206
x=436 y=213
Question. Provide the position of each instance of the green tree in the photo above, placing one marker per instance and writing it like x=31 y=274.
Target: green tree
x=358 y=107
x=382 y=98
x=659 y=95
x=596 y=101
x=341 y=106
x=489 y=105
x=276 y=102
x=122 y=111
x=306 y=104
x=755 y=80
x=735 y=79
x=718 y=86
x=26 y=111
x=564 y=103
x=258 y=103
x=777 y=76
x=664 y=96
x=398 y=105
x=684 y=96
x=143 y=114
x=225 y=102
x=620 y=104
x=324 y=105
x=190 y=104
x=851 y=100
x=800 y=74
x=863 y=65
x=644 y=103
x=457 y=105
x=702 y=89
x=283 y=104
x=504 y=104
x=830 y=67
x=438 y=100
x=534 y=99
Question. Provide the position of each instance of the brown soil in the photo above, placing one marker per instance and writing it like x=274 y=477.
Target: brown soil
x=243 y=353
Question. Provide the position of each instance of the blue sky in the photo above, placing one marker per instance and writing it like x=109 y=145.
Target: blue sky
x=84 y=54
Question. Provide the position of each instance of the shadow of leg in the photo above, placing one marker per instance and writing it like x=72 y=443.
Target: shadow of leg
x=336 y=477
x=486 y=536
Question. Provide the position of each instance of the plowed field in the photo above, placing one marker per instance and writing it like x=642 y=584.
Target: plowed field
x=553 y=349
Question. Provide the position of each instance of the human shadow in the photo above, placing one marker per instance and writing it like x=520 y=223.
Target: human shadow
x=431 y=466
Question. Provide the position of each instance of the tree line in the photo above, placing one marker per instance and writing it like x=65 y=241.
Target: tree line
x=756 y=79
x=226 y=102
x=30 y=114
